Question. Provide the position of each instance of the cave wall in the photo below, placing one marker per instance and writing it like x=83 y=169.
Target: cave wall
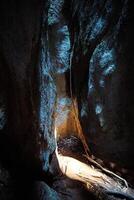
x=23 y=143
x=42 y=43
x=58 y=59
x=102 y=68
x=93 y=40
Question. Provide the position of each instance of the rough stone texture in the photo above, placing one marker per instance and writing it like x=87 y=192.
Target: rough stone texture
x=102 y=71
x=43 y=192
x=41 y=42
x=58 y=57
x=21 y=141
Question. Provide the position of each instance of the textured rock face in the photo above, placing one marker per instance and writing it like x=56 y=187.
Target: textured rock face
x=58 y=61
x=94 y=37
x=102 y=66
x=47 y=49
x=94 y=40
x=23 y=142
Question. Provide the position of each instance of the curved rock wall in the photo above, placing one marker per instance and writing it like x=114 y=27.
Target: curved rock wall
x=41 y=42
x=20 y=32
x=102 y=67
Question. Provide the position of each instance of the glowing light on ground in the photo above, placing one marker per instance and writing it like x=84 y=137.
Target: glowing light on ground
x=89 y=175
